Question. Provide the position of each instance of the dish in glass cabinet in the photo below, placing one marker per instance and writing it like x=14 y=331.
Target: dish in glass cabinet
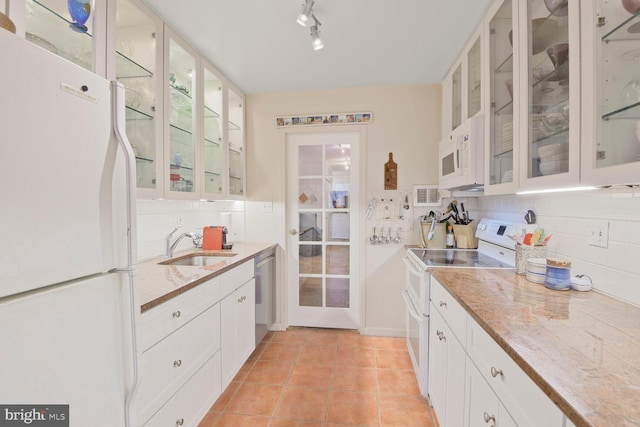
x=631 y=6
x=37 y=40
x=635 y=28
x=632 y=55
x=557 y=7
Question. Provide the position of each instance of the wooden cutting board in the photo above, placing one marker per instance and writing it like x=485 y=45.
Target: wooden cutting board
x=390 y=174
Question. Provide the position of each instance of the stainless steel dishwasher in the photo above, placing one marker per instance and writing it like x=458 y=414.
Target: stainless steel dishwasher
x=265 y=269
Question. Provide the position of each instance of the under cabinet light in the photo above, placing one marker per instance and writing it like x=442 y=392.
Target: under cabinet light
x=557 y=190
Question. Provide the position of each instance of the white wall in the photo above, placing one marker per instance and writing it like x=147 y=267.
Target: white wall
x=157 y=218
x=614 y=270
x=406 y=121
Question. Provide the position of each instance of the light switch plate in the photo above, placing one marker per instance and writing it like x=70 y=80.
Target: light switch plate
x=599 y=234
x=267 y=207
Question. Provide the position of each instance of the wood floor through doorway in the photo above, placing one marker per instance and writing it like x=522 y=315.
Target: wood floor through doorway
x=308 y=377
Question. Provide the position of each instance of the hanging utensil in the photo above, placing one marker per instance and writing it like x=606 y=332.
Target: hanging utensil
x=432 y=230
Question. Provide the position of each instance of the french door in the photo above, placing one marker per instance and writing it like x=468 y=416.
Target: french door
x=322 y=209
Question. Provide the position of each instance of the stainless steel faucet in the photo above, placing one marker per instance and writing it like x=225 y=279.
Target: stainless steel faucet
x=171 y=246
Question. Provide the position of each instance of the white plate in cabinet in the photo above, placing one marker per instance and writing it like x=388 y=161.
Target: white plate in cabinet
x=482 y=406
x=160 y=321
x=524 y=400
x=234 y=278
x=192 y=402
x=451 y=311
x=167 y=365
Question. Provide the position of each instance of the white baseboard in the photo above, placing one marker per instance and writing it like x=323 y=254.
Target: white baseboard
x=278 y=327
x=385 y=332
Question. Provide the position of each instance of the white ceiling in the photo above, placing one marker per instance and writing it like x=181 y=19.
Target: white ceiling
x=259 y=46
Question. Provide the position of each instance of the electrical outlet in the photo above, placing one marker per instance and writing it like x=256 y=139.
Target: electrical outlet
x=267 y=207
x=599 y=234
x=178 y=222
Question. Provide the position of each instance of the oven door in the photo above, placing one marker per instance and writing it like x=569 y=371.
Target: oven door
x=417 y=329
x=415 y=284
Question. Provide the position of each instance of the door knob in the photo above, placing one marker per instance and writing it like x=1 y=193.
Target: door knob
x=293 y=232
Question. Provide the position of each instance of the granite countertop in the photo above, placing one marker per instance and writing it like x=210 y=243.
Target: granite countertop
x=159 y=283
x=581 y=348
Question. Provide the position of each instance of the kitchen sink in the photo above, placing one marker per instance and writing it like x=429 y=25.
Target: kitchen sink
x=199 y=260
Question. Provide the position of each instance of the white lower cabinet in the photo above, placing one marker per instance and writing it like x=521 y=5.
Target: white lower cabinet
x=238 y=332
x=446 y=372
x=472 y=381
x=482 y=406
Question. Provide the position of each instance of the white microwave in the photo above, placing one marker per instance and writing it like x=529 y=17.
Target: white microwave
x=461 y=157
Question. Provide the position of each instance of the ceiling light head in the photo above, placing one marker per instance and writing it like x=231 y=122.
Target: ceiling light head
x=315 y=35
x=305 y=15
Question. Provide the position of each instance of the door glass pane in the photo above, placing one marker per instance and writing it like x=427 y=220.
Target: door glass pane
x=473 y=79
x=618 y=54
x=310 y=160
x=212 y=133
x=456 y=100
x=337 y=259
x=310 y=258
x=338 y=193
x=50 y=25
x=338 y=226
x=338 y=159
x=236 y=143
x=135 y=69
x=501 y=93
x=548 y=151
x=310 y=292
x=337 y=292
x=310 y=226
x=182 y=155
x=308 y=193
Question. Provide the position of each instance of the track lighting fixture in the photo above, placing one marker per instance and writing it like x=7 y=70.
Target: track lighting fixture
x=307 y=11
x=315 y=35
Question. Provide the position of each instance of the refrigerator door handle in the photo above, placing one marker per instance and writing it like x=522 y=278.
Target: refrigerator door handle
x=120 y=130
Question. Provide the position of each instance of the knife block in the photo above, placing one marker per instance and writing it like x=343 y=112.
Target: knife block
x=466 y=235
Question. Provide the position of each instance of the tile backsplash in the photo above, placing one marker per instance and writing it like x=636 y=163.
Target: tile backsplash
x=156 y=219
x=615 y=270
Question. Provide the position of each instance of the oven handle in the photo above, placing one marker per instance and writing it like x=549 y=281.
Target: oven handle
x=410 y=307
x=411 y=268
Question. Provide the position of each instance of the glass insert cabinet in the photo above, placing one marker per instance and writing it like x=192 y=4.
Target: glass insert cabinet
x=185 y=120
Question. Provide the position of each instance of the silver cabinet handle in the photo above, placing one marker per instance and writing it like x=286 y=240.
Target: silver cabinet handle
x=489 y=418
x=176 y=314
x=179 y=421
x=495 y=372
x=293 y=232
x=177 y=363
x=443 y=304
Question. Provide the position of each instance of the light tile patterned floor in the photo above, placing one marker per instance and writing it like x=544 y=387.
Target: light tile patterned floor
x=308 y=377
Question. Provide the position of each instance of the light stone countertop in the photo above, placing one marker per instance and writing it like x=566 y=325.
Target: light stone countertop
x=581 y=348
x=160 y=283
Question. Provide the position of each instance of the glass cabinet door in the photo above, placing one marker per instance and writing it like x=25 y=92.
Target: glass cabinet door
x=474 y=79
x=553 y=129
x=136 y=65
x=64 y=27
x=500 y=117
x=181 y=152
x=212 y=133
x=456 y=98
x=236 y=142
x=613 y=145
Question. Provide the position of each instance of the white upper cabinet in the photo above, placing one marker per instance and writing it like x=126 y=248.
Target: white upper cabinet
x=549 y=130
x=611 y=92
x=501 y=123
x=212 y=132
x=235 y=138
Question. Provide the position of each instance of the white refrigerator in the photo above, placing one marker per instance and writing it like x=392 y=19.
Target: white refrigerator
x=68 y=293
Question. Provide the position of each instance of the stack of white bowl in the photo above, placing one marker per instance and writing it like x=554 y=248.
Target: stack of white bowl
x=554 y=158
x=536 y=270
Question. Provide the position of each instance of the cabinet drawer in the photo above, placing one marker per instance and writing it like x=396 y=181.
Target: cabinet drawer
x=524 y=400
x=234 y=278
x=451 y=311
x=162 y=320
x=167 y=365
x=191 y=403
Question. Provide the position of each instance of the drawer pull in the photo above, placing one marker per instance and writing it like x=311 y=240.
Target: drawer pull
x=440 y=335
x=495 y=372
x=179 y=421
x=176 y=314
x=177 y=363
x=443 y=304
x=489 y=418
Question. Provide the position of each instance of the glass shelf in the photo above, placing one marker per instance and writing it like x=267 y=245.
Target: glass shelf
x=133 y=114
x=235 y=150
x=505 y=109
x=128 y=68
x=627 y=112
x=144 y=159
x=182 y=130
x=628 y=29
x=216 y=143
x=505 y=66
x=176 y=167
x=547 y=139
x=503 y=153
x=175 y=89
x=209 y=113
x=212 y=173
x=233 y=126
